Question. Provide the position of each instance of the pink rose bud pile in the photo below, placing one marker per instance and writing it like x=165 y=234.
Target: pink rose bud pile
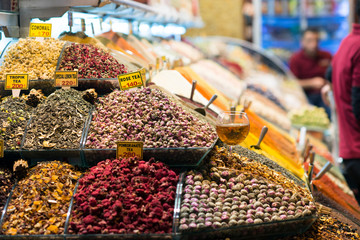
x=146 y=115
x=125 y=196
x=91 y=62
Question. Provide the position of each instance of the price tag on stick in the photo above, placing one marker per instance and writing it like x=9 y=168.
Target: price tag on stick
x=129 y=149
x=16 y=83
x=42 y=30
x=132 y=80
x=66 y=79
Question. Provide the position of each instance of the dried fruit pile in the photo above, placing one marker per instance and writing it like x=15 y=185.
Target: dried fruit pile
x=328 y=228
x=146 y=115
x=91 y=62
x=125 y=196
x=248 y=193
x=14 y=115
x=40 y=201
x=6 y=183
x=58 y=122
x=37 y=58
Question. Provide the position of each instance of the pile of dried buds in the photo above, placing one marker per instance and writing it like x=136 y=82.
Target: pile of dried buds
x=91 y=62
x=37 y=58
x=59 y=121
x=14 y=115
x=6 y=183
x=40 y=201
x=249 y=193
x=125 y=196
x=146 y=115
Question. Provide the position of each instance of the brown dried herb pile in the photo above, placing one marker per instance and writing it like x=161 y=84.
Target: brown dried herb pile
x=91 y=62
x=326 y=228
x=58 y=122
x=146 y=115
x=14 y=115
x=125 y=196
x=6 y=183
x=40 y=201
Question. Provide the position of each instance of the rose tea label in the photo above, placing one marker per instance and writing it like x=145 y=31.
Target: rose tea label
x=129 y=149
x=132 y=80
x=66 y=79
x=40 y=30
x=17 y=81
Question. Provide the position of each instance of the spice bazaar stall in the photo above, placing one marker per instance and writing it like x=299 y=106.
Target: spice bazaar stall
x=117 y=135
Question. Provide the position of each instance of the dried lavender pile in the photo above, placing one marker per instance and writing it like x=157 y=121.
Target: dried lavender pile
x=125 y=196
x=40 y=201
x=6 y=183
x=249 y=193
x=91 y=62
x=146 y=115
x=14 y=115
x=58 y=122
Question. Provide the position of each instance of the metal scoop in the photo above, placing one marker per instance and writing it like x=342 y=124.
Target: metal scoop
x=193 y=87
x=262 y=135
x=203 y=110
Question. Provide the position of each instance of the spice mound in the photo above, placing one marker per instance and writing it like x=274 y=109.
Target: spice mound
x=125 y=196
x=6 y=183
x=251 y=193
x=91 y=62
x=14 y=115
x=58 y=122
x=146 y=115
x=41 y=200
x=37 y=58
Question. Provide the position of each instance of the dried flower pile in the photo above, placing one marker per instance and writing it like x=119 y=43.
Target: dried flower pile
x=125 y=196
x=249 y=193
x=146 y=115
x=58 y=122
x=40 y=201
x=6 y=183
x=91 y=62
x=37 y=58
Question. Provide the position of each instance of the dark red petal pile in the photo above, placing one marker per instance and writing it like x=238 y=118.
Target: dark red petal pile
x=125 y=196
x=91 y=62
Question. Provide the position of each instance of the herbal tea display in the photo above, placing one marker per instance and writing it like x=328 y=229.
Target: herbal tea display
x=58 y=122
x=41 y=200
x=14 y=115
x=232 y=191
x=125 y=196
x=7 y=181
x=146 y=115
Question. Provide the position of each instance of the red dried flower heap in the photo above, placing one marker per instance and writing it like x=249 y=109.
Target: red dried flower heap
x=91 y=62
x=125 y=196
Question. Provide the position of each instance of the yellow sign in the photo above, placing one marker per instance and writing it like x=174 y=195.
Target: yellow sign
x=17 y=81
x=132 y=80
x=40 y=30
x=1 y=148
x=66 y=79
x=128 y=149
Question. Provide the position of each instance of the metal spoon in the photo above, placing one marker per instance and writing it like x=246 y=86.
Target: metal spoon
x=203 y=110
x=262 y=135
x=324 y=170
x=193 y=87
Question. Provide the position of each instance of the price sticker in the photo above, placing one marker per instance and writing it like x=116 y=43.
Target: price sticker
x=129 y=149
x=40 y=30
x=1 y=148
x=17 y=81
x=66 y=78
x=132 y=80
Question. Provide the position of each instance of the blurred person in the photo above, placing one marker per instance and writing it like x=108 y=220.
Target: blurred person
x=309 y=66
x=345 y=83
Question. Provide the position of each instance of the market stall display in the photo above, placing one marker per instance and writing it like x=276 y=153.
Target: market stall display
x=311 y=117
